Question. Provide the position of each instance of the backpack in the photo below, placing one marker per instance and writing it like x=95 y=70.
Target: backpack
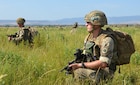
x=27 y=36
x=124 y=46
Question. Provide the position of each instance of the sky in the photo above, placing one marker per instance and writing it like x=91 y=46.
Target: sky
x=60 y=9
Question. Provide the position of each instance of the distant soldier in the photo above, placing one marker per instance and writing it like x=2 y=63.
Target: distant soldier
x=74 y=27
x=24 y=35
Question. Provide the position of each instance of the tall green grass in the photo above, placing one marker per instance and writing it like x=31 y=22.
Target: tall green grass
x=41 y=64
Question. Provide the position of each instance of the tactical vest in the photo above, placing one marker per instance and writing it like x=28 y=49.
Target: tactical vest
x=123 y=48
x=91 y=50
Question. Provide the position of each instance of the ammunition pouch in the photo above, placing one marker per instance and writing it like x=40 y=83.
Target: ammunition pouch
x=88 y=51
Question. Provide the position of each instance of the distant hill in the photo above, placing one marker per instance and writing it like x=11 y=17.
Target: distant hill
x=80 y=20
x=124 y=20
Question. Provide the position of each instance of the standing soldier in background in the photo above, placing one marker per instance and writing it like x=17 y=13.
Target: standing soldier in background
x=74 y=27
x=24 y=35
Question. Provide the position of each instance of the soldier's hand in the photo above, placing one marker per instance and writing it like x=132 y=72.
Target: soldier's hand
x=75 y=66
x=9 y=38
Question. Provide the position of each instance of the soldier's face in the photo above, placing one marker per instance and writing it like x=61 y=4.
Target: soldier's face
x=89 y=26
x=20 y=25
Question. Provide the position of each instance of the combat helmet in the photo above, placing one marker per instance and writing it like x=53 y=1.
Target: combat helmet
x=96 y=18
x=20 y=20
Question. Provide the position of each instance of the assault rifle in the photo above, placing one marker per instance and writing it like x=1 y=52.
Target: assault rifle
x=79 y=57
x=11 y=35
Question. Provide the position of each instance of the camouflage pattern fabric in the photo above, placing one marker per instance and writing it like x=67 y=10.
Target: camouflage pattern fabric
x=84 y=74
x=20 y=20
x=94 y=77
x=24 y=34
x=96 y=18
x=104 y=53
x=19 y=36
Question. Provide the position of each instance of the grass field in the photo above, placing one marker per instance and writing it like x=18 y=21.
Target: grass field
x=41 y=64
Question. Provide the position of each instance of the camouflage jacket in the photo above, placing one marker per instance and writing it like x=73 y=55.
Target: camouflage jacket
x=25 y=35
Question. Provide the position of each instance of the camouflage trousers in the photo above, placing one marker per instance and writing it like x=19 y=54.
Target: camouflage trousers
x=89 y=75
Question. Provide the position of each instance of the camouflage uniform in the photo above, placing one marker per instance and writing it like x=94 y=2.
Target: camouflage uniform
x=24 y=34
x=20 y=36
x=105 y=54
x=103 y=51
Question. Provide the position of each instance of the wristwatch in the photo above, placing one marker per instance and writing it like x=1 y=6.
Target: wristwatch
x=83 y=65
